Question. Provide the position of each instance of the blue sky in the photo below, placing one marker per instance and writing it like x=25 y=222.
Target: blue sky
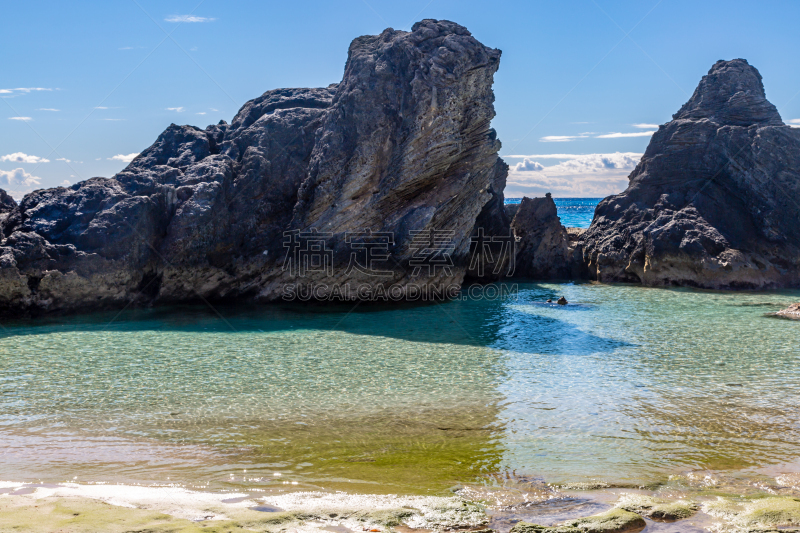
x=101 y=80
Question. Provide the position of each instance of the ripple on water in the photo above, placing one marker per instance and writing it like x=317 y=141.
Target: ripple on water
x=624 y=385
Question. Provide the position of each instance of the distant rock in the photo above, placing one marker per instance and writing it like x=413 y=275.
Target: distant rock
x=401 y=148
x=544 y=249
x=713 y=202
x=793 y=311
x=562 y=301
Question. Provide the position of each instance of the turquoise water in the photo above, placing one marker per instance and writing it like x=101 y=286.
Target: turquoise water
x=574 y=212
x=626 y=385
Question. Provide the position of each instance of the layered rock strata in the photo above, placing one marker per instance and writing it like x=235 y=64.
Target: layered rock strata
x=380 y=180
x=714 y=201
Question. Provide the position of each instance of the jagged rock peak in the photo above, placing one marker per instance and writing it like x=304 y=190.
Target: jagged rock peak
x=732 y=93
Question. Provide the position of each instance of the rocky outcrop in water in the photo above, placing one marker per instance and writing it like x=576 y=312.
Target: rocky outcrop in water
x=378 y=181
x=714 y=201
x=544 y=248
x=793 y=311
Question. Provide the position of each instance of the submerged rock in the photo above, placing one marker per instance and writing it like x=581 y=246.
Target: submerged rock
x=711 y=203
x=657 y=508
x=793 y=311
x=756 y=514
x=544 y=249
x=378 y=181
x=562 y=301
x=612 y=521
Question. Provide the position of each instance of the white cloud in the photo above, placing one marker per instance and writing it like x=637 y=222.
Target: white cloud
x=201 y=113
x=66 y=183
x=19 y=157
x=13 y=92
x=528 y=165
x=645 y=126
x=101 y=107
x=588 y=175
x=188 y=18
x=212 y=109
x=795 y=122
x=624 y=135
x=561 y=138
x=18 y=181
x=47 y=109
x=176 y=109
x=20 y=118
x=124 y=158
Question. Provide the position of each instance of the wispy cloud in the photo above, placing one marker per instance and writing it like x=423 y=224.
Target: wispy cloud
x=20 y=118
x=19 y=157
x=124 y=158
x=112 y=119
x=624 y=135
x=176 y=109
x=188 y=18
x=561 y=138
x=47 y=109
x=21 y=90
x=646 y=126
x=65 y=160
x=201 y=113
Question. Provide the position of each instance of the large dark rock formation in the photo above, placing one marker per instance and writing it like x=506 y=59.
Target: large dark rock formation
x=544 y=248
x=402 y=146
x=715 y=200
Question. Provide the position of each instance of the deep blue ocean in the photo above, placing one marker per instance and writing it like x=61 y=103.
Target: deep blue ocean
x=574 y=212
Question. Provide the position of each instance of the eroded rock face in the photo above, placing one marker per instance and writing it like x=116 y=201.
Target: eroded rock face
x=713 y=202
x=544 y=248
x=402 y=147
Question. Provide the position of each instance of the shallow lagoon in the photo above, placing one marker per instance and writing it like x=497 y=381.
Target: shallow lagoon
x=626 y=385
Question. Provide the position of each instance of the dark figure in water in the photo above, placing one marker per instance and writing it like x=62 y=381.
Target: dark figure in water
x=562 y=301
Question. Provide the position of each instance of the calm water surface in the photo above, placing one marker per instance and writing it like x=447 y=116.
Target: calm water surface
x=626 y=385
x=574 y=212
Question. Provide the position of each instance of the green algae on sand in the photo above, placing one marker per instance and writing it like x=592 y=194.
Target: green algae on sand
x=614 y=521
x=756 y=513
x=657 y=508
